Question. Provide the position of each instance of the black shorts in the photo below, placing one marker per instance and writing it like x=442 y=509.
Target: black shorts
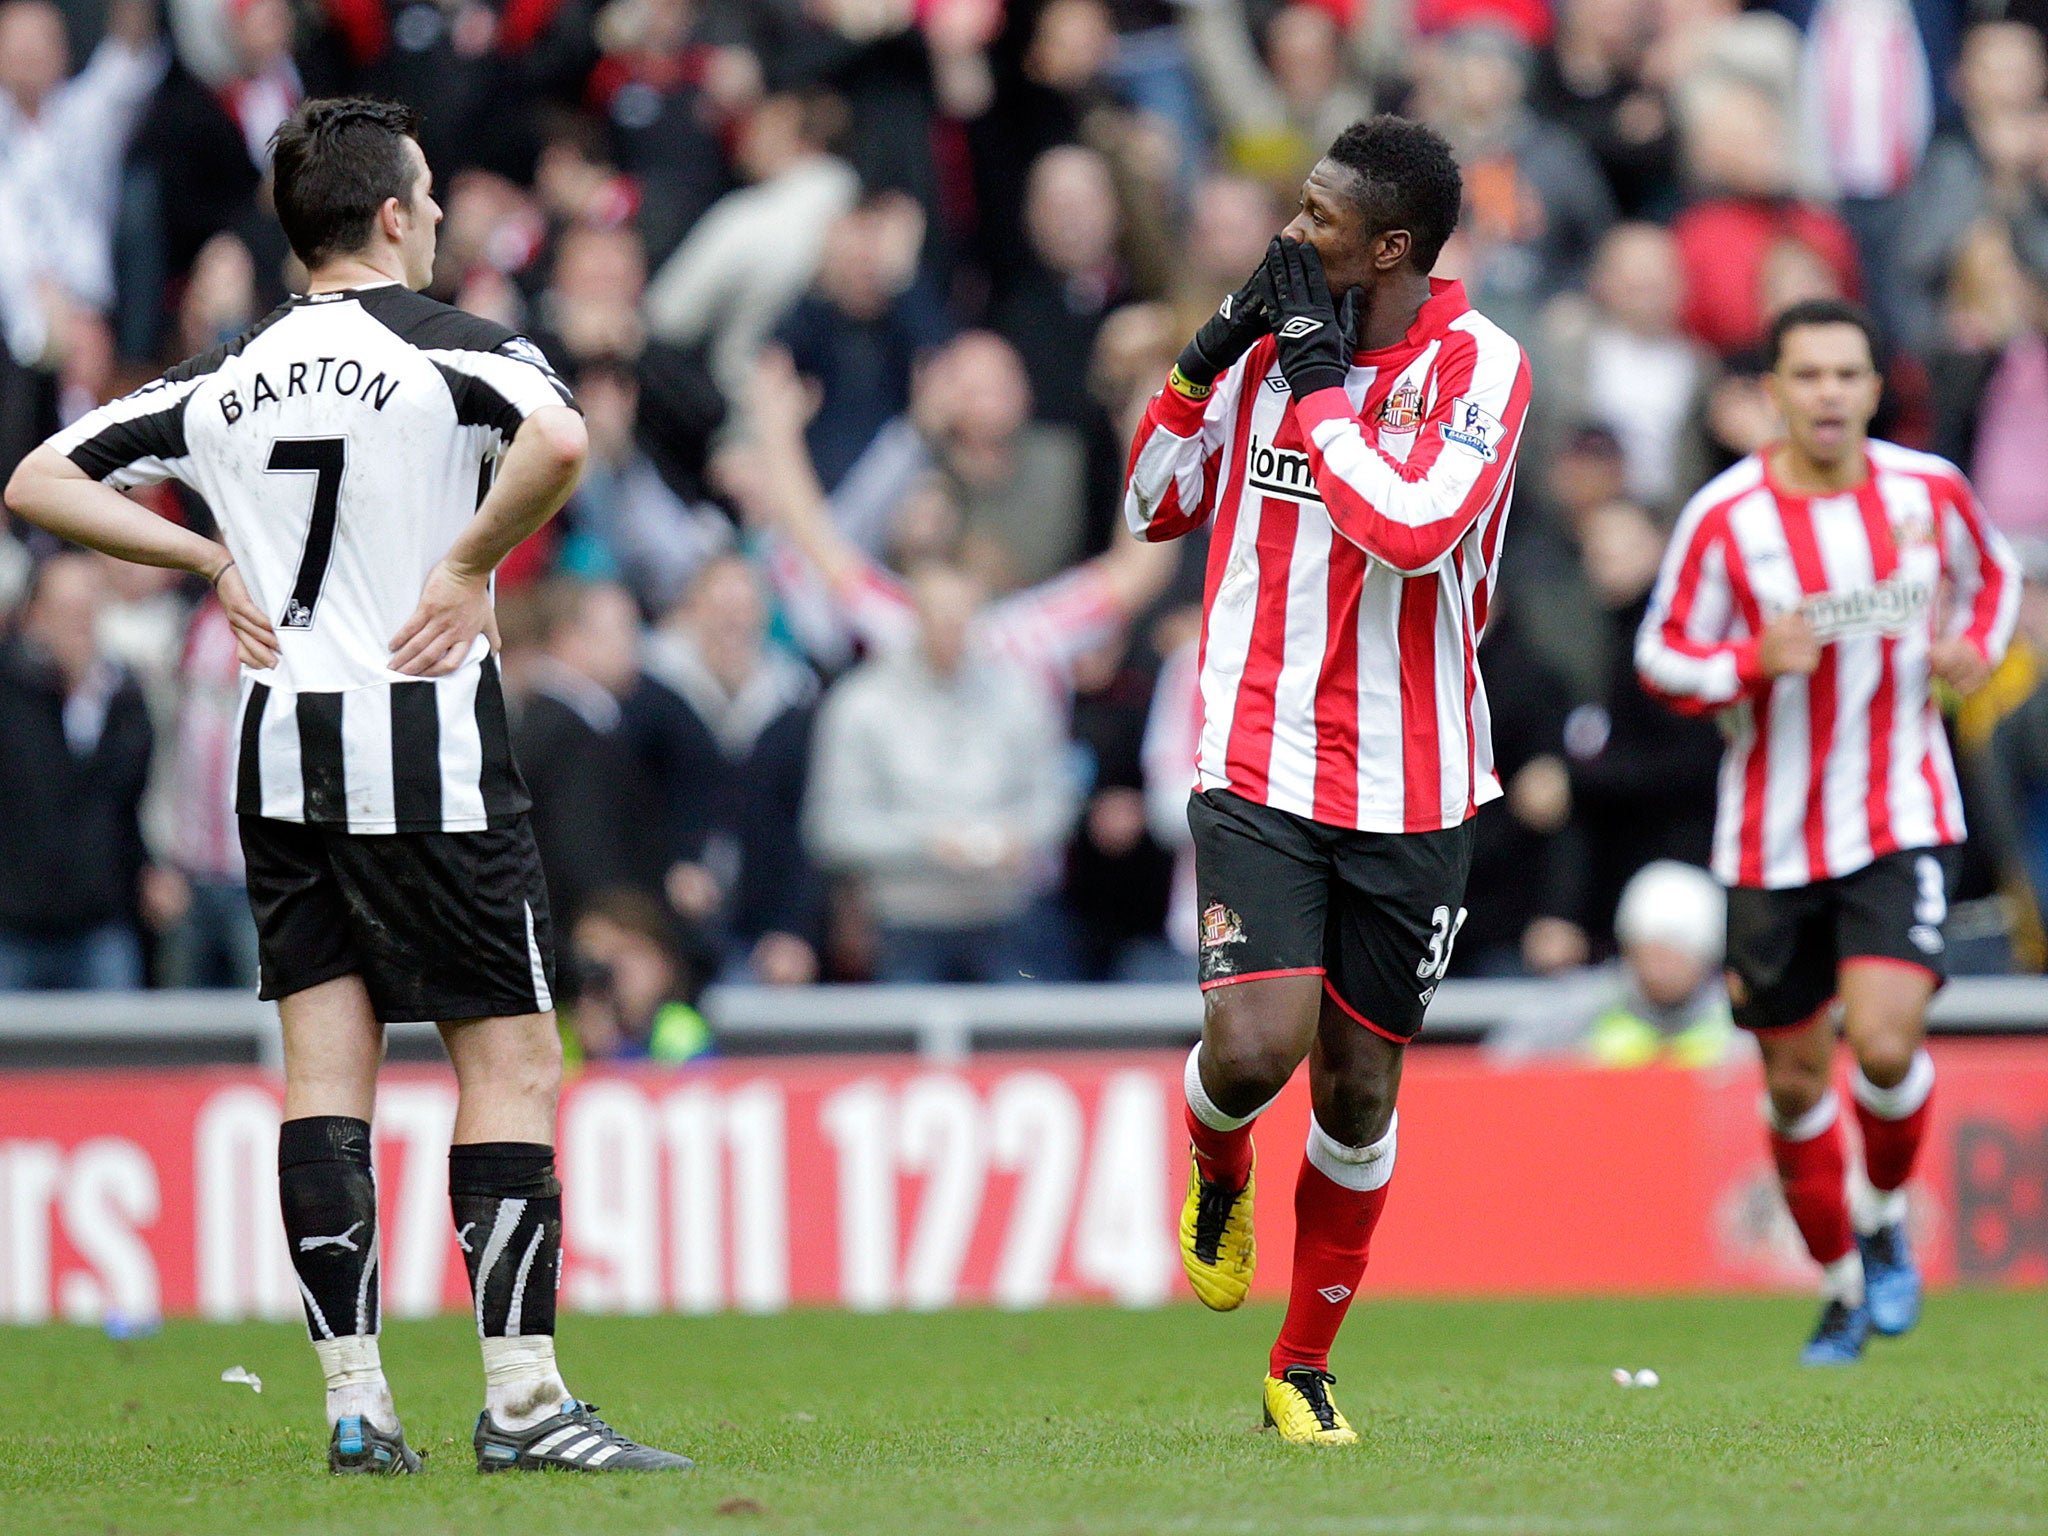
x=1373 y=913
x=1786 y=947
x=440 y=925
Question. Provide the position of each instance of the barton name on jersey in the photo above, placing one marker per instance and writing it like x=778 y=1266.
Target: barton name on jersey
x=342 y=444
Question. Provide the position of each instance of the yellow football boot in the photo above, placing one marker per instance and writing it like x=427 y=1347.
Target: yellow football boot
x=1299 y=1405
x=1216 y=1247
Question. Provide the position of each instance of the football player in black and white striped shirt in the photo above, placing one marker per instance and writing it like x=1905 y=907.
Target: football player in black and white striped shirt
x=370 y=456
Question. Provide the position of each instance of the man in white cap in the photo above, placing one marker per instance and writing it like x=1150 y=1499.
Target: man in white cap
x=1661 y=1003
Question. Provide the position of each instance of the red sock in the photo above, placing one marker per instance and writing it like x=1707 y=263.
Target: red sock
x=1891 y=1140
x=1813 y=1172
x=1222 y=1155
x=1332 y=1237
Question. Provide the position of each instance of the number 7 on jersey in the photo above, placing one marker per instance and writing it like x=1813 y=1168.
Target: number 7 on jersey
x=326 y=458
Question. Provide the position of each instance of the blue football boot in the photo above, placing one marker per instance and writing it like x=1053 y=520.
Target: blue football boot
x=1840 y=1337
x=1891 y=1280
x=357 y=1447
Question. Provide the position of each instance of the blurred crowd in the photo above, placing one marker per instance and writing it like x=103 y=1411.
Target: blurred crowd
x=839 y=665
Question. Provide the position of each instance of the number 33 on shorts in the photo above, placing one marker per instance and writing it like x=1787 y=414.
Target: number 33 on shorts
x=1443 y=933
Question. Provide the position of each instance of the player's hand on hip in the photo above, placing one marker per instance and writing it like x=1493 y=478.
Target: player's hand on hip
x=1306 y=325
x=1957 y=662
x=454 y=609
x=255 y=640
x=1788 y=647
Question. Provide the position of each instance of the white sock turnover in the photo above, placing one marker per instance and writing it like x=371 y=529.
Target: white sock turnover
x=521 y=1384
x=355 y=1380
x=1205 y=1107
x=1843 y=1280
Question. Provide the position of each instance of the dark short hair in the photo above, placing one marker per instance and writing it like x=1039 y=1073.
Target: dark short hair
x=336 y=159
x=1408 y=179
x=1817 y=312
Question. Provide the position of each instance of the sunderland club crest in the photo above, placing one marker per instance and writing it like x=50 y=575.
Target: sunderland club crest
x=1402 y=410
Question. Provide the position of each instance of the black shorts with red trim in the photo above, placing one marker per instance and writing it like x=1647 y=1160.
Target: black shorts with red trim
x=1373 y=913
x=441 y=926
x=1786 y=947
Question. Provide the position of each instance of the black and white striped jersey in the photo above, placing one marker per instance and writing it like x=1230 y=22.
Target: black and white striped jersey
x=343 y=443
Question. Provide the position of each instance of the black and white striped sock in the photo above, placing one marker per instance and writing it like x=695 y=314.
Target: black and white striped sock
x=508 y=1219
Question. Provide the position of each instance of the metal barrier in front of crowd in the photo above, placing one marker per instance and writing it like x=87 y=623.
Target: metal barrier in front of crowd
x=135 y=1029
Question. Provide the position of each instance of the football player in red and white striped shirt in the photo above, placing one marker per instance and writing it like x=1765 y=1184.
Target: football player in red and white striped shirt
x=1810 y=596
x=1355 y=456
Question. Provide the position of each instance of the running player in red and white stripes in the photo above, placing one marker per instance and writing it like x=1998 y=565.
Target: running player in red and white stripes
x=1810 y=596
x=1356 y=456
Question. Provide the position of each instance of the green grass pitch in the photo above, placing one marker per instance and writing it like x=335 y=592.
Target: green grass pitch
x=1478 y=1417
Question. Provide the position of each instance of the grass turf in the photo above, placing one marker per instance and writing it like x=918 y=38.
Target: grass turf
x=1478 y=1417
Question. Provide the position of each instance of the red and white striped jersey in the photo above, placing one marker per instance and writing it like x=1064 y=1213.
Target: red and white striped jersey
x=1349 y=569
x=1827 y=772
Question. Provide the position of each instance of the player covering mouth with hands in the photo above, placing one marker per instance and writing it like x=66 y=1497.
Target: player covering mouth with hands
x=1810 y=597
x=1349 y=424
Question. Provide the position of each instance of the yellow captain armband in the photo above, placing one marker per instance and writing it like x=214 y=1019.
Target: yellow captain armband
x=1186 y=387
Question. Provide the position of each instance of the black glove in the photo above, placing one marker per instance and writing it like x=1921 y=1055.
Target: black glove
x=1314 y=339
x=1227 y=335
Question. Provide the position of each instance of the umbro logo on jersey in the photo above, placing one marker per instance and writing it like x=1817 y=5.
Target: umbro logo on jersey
x=1334 y=1293
x=1300 y=325
x=1280 y=472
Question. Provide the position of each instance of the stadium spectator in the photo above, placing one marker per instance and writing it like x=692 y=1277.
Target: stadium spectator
x=1172 y=735
x=1276 y=108
x=1983 y=166
x=1045 y=629
x=2004 y=442
x=61 y=142
x=266 y=85
x=208 y=938
x=1520 y=894
x=1596 y=81
x=1117 y=881
x=592 y=805
x=626 y=519
x=1057 y=302
x=1544 y=572
x=1661 y=1003
x=755 y=251
x=1617 y=358
x=1536 y=204
x=1739 y=152
x=860 y=331
x=1230 y=219
x=632 y=985
x=1641 y=778
x=940 y=781
x=590 y=310
x=671 y=80
x=75 y=745
x=722 y=723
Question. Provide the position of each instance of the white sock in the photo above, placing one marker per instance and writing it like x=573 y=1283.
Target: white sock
x=1361 y=1168
x=521 y=1384
x=1901 y=1099
x=1875 y=1209
x=1843 y=1280
x=355 y=1380
x=1205 y=1107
